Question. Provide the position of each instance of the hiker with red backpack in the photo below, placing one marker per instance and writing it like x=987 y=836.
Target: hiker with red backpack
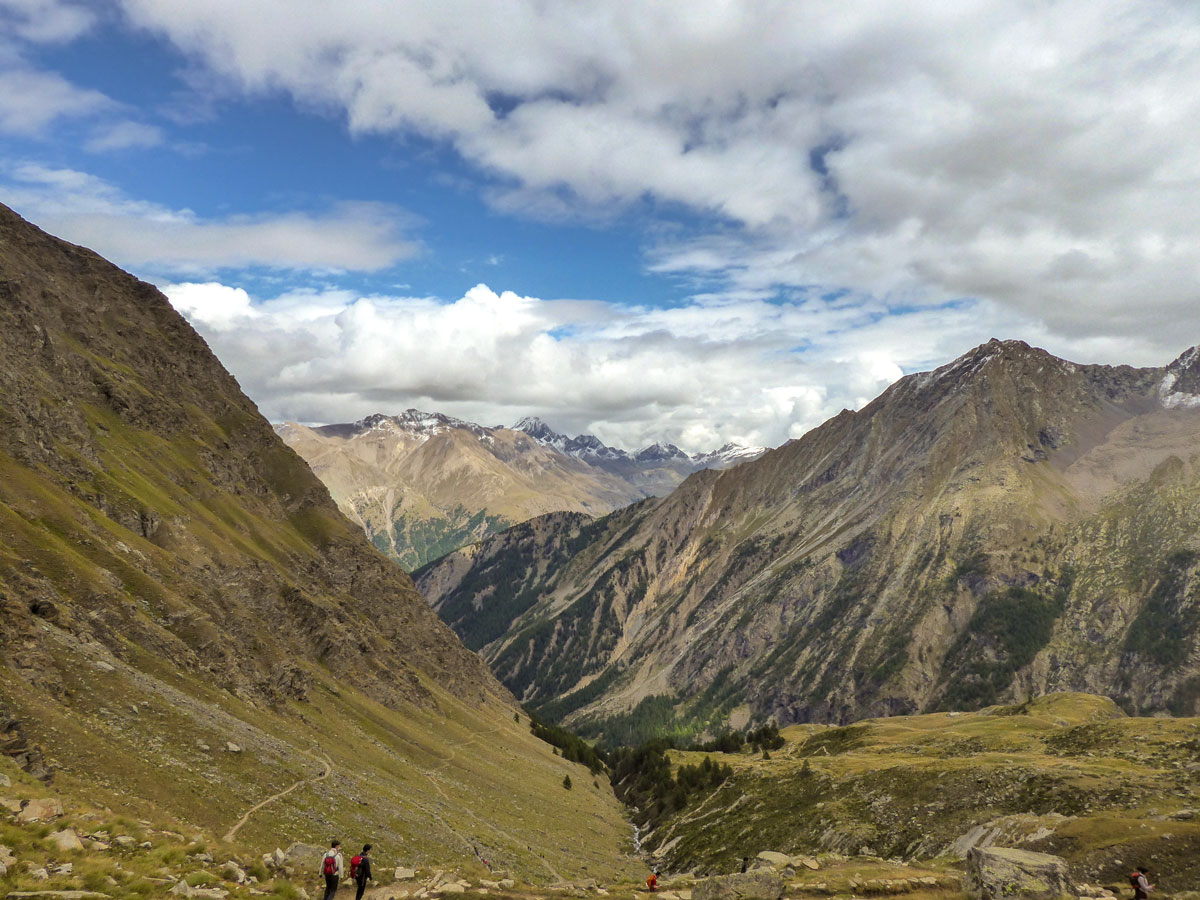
x=1140 y=883
x=360 y=870
x=331 y=868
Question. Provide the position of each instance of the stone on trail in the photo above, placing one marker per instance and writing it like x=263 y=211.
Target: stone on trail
x=40 y=811
x=807 y=861
x=404 y=874
x=65 y=840
x=760 y=884
x=507 y=884
x=1001 y=872
x=61 y=895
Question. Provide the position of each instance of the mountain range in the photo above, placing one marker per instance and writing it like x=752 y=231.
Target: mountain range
x=423 y=484
x=192 y=631
x=1006 y=525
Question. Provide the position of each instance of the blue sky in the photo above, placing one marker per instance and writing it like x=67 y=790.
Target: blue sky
x=722 y=226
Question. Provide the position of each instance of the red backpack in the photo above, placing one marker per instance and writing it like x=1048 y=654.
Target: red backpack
x=355 y=862
x=330 y=865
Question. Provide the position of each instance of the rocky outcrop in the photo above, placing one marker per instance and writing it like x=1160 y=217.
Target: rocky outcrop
x=876 y=565
x=999 y=873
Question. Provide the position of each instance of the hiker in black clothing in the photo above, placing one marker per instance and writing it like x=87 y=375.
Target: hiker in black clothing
x=360 y=870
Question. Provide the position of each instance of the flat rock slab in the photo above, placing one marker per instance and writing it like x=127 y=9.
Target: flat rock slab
x=761 y=884
x=62 y=895
x=999 y=873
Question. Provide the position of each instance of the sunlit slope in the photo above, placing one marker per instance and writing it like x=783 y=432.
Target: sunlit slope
x=172 y=575
x=1066 y=774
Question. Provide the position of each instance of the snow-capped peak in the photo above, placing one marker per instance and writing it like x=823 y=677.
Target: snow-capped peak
x=729 y=455
x=660 y=451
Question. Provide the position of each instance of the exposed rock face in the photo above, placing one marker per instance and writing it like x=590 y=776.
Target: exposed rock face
x=997 y=873
x=760 y=884
x=876 y=565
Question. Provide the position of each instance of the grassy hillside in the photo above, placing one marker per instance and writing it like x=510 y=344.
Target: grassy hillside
x=1067 y=774
x=173 y=578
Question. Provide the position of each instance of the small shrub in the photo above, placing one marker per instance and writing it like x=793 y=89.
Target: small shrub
x=567 y=782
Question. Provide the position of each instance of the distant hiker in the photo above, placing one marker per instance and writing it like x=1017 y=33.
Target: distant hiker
x=360 y=870
x=652 y=882
x=1140 y=883
x=331 y=868
x=745 y=864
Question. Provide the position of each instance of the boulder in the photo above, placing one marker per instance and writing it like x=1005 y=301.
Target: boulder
x=774 y=860
x=231 y=747
x=40 y=810
x=304 y=855
x=232 y=871
x=5 y=781
x=806 y=861
x=13 y=806
x=7 y=857
x=125 y=841
x=404 y=874
x=998 y=873
x=760 y=884
x=507 y=884
x=452 y=887
x=65 y=840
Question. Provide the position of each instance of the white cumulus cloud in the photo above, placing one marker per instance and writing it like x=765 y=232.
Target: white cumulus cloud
x=1040 y=155
x=699 y=374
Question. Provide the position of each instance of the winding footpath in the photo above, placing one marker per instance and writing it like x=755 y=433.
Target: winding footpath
x=325 y=772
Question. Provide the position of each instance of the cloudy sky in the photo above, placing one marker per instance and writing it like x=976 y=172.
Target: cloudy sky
x=700 y=221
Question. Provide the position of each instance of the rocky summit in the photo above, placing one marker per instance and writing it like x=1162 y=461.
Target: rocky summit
x=194 y=635
x=1007 y=525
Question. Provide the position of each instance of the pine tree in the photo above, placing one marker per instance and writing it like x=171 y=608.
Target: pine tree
x=567 y=782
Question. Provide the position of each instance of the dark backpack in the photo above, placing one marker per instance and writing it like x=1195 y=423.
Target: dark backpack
x=330 y=865
x=355 y=862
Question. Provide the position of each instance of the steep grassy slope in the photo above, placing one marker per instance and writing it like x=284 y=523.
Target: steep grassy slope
x=172 y=576
x=1009 y=524
x=1067 y=774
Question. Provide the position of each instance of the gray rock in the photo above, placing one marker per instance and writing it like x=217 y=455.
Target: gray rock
x=40 y=811
x=234 y=872
x=760 y=884
x=65 y=840
x=299 y=854
x=998 y=873
x=5 y=781
x=404 y=874
x=774 y=860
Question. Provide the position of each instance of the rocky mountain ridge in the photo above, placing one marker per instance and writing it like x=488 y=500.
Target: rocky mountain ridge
x=1008 y=524
x=422 y=484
